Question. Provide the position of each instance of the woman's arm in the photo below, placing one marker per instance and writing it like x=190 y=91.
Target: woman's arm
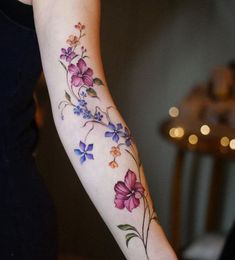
x=94 y=135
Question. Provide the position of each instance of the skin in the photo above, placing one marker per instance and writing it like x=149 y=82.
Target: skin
x=27 y=2
x=54 y=20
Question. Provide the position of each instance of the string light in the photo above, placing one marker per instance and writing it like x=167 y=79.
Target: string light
x=205 y=129
x=173 y=111
x=224 y=141
x=232 y=144
x=193 y=139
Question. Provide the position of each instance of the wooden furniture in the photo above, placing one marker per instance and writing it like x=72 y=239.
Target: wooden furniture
x=217 y=141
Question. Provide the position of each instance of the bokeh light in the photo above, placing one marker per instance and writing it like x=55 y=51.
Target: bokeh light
x=205 y=129
x=173 y=111
x=232 y=144
x=224 y=141
x=176 y=132
x=193 y=139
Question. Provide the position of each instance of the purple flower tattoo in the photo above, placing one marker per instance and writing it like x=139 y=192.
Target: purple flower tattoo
x=68 y=54
x=78 y=110
x=81 y=74
x=98 y=116
x=83 y=152
x=116 y=131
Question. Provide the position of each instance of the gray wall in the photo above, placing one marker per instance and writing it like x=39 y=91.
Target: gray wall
x=156 y=51
x=153 y=52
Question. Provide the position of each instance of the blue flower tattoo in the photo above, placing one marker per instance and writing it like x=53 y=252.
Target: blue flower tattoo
x=77 y=110
x=116 y=131
x=83 y=152
x=98 y=116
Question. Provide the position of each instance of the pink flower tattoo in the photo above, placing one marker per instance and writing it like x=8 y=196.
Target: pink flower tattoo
x=129 y=192
x=81 y=74
x=128 y=195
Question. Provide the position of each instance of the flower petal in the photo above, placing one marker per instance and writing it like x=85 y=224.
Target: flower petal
x=76 y=81
x=128 y=142
x=122 y=196
x=111 y=126
x=62 y=56
x=119 y=126
x=115 y=138
x=113 y=164
x=108 y=134
x=88 y=80
x=90 y=156
x=89 y=72
x=130 y=179
x=78 y=151
x=73 y=69
x=72 y=54
x=119 y=203
x=82 y=146
x=139 y=190
x=82 y=159
x=131 y=203
x=81 y=64
x=90 y=147
x=138 y=195
x=121 y=188
x=68 y=59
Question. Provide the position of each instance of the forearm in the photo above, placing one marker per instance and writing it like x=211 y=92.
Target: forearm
x=95 y=137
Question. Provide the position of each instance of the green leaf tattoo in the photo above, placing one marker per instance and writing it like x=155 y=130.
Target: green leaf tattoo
x=98 y=81
x=91 y=92
x=129 y=236
x=126 y=227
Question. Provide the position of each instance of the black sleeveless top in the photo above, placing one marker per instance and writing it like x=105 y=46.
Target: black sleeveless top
x=27 y=216
x=19 y=69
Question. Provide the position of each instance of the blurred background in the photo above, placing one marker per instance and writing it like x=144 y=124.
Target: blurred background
x=154 y=53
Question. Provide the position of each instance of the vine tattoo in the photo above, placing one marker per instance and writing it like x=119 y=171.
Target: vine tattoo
x=82 y=86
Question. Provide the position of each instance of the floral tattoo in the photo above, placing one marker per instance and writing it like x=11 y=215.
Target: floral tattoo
x=82 y=86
